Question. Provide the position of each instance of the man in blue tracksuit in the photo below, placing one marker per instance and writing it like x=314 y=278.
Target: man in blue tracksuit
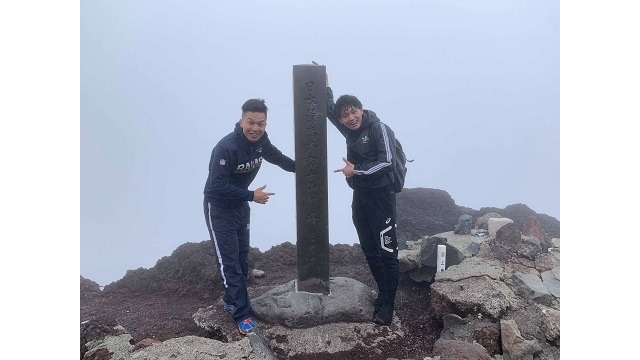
x=367 y=169
x=235 y=162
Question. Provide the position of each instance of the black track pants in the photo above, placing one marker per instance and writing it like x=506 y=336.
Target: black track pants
x=374 y=216
x=229 y=232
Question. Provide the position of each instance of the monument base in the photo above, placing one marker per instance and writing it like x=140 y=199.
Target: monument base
x=349 y=301
x=313 y=286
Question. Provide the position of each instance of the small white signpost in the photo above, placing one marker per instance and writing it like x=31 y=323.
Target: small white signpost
x=442 y=256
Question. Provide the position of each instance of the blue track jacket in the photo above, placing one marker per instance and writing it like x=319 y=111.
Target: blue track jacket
x=235 y=162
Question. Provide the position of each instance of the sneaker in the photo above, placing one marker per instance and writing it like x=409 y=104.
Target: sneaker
x=246 y=326
x=229 y=308
x=384 y=315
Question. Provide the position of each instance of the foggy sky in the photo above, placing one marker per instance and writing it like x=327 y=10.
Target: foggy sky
x=472 y=89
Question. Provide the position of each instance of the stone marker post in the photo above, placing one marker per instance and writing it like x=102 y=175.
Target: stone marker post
x=310 y=127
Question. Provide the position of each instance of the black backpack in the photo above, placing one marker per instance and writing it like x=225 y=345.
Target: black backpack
x=399 y=164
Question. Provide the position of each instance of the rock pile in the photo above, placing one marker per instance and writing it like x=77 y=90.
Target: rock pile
x=501 y=292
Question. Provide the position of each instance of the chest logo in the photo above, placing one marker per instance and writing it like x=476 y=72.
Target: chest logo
x=250 y=166
x=365 y=139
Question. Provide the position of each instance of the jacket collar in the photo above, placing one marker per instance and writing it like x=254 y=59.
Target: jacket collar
x=368 y=118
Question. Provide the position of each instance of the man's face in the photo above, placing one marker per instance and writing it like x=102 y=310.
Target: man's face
x=253 y=125
x=351 y=117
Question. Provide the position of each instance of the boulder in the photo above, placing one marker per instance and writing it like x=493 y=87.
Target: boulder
x=349 y=301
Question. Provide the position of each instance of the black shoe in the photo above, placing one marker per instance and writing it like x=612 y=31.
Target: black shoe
x=384 y=315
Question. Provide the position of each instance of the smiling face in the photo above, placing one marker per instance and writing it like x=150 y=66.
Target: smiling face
x=351 y=117
x=253 y=125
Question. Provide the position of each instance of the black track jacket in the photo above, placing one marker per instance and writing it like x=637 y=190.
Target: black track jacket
x=369 y=149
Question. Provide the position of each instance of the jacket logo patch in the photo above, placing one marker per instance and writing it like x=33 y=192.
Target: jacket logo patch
x=223 y=161
x=259 y=149
x=365 y=139
x=387 y=240
x=250 y=166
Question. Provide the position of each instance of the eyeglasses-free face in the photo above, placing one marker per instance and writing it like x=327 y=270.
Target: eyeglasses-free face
x=253 y=125
x=351 y=118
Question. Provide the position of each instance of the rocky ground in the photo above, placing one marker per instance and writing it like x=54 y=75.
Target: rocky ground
x=159 y=303
x=147 y=311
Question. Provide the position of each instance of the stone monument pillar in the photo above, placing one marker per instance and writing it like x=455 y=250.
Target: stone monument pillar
x=312 y=214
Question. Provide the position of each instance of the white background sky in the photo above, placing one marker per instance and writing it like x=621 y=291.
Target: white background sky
x=110 y=111
x=471 y=88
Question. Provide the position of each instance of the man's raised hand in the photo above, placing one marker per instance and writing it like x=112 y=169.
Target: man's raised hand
x=326 y=79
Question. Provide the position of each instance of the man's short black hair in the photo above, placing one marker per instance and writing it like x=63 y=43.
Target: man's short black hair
x=254 y=105
x=345 y=102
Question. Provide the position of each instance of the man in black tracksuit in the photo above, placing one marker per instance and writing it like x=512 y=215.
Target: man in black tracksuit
x=235 y=162
x=369 y=161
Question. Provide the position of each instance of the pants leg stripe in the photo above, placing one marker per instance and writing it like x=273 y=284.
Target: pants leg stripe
x=215 y=244
x=382 y=244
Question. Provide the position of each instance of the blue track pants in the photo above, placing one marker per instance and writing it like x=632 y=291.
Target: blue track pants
x=229 y=232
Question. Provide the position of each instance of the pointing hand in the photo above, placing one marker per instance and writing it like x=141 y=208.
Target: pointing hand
x=260 y=196
x=347 y=170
